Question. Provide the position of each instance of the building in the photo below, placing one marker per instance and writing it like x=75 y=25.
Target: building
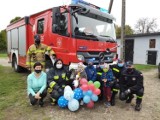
x=142 y=48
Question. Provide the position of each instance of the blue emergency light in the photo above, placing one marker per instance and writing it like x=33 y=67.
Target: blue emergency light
x=89 y=4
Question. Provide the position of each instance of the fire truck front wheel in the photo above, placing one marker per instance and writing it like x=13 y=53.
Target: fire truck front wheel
x=15 y=66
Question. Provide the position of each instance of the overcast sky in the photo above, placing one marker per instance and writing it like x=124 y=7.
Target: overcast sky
x=135 y=9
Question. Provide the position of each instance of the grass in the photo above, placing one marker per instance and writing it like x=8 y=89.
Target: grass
x=144 y=67
x=13 y=96
x=3 y=55
x=12 y=87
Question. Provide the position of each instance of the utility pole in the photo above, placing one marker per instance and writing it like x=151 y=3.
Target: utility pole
x=110 y=6
x=122 y=48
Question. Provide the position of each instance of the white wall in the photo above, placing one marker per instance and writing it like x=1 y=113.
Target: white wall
x=141 y=47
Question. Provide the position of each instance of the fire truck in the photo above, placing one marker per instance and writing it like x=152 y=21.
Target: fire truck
x=76 y=32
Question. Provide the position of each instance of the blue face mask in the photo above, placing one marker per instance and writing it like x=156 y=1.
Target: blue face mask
x=101 y=66
x=120 y=64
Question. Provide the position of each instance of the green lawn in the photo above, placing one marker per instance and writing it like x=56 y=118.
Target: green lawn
x=3 y=55
x=13 y=95
x=144 y=67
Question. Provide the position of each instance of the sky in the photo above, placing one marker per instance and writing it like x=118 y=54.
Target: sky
x=135 y=9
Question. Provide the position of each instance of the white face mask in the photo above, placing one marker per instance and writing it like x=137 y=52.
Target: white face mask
x=59 y=66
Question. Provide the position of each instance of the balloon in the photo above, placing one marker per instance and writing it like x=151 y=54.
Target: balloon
x=62 y=102
x=83 y=81
x=78 y=93
x=90 y=82
x=84 y=87
x=91 y=87
x=67 y=88
x=94 y=98
x=68 y=95
x=73 y=105
x=89 y=93
x=55 y=94
x=97 y=84
x=97 y=91
x=84 y=93
x=86 y=99
x=90 y=104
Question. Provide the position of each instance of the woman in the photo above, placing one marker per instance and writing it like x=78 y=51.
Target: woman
x=36 y=85
x=57 y=80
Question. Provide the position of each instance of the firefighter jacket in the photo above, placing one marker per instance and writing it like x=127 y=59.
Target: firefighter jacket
x=117 y=71
x=99 y=73
x=59 y=76
x=37 y=54
x=132 y=81
x=91 y=73
x=109 y=76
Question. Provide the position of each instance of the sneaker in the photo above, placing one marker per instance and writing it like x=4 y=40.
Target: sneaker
x=129 y=99
x=138 y=107
x=107 y=104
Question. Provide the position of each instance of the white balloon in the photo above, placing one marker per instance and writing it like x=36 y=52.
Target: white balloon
x=67 y=88
x=73 y=105
x=68 y=95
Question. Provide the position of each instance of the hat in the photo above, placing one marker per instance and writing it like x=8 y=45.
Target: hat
x=90 y=60
x=120 y=61
x=129 y=63
x=36 y=37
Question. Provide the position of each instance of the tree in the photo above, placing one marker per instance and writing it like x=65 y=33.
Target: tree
x=3 y=41
x=15 y=19
x=128 y=30
x=146 y=25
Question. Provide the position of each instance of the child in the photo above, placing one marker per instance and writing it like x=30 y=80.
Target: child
x=107 y=77
x=79 y=74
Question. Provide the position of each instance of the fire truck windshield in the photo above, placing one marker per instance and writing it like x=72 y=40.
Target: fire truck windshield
x=93 y=25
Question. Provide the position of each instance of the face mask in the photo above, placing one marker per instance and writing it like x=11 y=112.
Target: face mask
x=120 y=64
x=38 y=71
x=59 y=66
x=101 y=66
x=105 y=70
x=129 y=70
x=37 y=42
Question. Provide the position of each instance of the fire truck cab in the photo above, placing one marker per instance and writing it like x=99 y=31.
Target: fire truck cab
x=77 y=33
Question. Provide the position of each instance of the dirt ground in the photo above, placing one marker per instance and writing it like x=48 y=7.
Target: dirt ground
x=121 y=111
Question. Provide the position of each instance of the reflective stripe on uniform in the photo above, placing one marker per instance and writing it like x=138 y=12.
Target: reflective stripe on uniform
x=115 y=69
x=63 y=75
x=28 y=63
x=56 y=77
x=99 y=73
x=51 y=85
x=116 y=90
x=139 y=97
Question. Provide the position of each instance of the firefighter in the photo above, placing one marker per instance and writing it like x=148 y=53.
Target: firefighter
x=99 y=69
x=131 y=82
x=36 y=53
x=56 y=80
x=91 y=71
x=117 y=70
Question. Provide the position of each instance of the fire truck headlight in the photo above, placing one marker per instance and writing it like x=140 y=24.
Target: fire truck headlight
x=80 y=57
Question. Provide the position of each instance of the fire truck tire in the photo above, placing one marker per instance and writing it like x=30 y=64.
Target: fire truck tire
x=15 y=66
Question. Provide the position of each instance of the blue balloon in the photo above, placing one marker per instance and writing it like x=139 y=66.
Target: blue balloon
x=78 y=94
x=62 y=102
x=94 y=98
x=73 y=105
x=84 y=93
x=86 y=99
x=89 y=93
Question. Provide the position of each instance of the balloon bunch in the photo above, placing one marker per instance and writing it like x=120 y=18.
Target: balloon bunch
x=70 y=98
x=90 y=92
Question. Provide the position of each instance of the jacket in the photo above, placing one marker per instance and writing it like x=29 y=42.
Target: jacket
x=109 y=76
x=91 y=73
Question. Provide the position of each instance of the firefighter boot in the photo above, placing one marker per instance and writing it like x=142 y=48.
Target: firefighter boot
x=138 y=104
x=113 y=99
x=129 y=99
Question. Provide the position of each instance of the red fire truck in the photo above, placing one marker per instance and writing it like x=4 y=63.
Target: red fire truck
x=76 y=32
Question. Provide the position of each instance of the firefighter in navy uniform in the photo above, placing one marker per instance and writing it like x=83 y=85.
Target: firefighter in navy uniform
x=117 y=70
x=57 y=79
x=99 y=69
x=36 y=53
x=131 y=82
